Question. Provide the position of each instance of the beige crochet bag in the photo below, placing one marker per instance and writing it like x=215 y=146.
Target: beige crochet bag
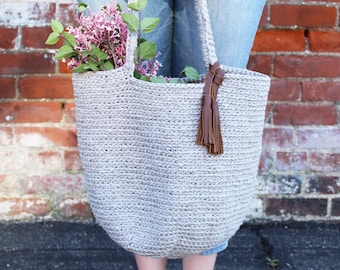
x=151 y=187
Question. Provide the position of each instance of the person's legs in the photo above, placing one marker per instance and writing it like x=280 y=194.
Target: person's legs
x=234 y=24
x=148 y=263
x=199 y=262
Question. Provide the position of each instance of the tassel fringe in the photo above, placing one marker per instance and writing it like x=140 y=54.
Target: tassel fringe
x=209 y=130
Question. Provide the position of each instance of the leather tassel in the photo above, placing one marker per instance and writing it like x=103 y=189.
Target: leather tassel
x=209 y=131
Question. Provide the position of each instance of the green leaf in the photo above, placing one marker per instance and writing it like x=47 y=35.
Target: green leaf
x=69 y=39
x=174 y=80
x=65 y=51
x=190 y=72
x=146 y=50
x=82 y=7
x=80 y=68
x=52 y=39
x=136 y=74
x=158 y=79
x=133 y=6
x=145 y=78
x=57 y=26
x=149 y=24
x=131 y=21
x=108 y=65
x=97 y=53
x=91 y=65
x=142 y=4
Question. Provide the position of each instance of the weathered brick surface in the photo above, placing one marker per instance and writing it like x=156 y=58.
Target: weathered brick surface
x=306 y=66
x=45 y=87
x=336 y=207
x=46 y=136
x=320 y=91
x=297 y=45
x=8 y=37
x=30 y=112
x=23 y=63
x=296 y=207
x=7 y=87
x=279 y=40
x=284 y=90
x=324 y=41
x=305 y=115
x=303 y=15
x=323 y=184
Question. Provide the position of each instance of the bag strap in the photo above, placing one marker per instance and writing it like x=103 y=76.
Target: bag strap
x=205 y=32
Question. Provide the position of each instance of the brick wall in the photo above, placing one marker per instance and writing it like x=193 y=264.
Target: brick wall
x=298 y=45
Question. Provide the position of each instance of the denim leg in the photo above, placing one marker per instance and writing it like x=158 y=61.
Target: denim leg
x=162 y=35
x=234 y=24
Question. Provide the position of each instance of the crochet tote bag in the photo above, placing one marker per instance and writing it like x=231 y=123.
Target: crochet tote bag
x=150 y=186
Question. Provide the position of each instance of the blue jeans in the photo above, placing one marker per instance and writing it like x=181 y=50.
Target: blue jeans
x=234 y=24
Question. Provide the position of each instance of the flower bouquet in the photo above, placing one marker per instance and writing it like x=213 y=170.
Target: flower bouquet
x=151 y=185
x=99 y=41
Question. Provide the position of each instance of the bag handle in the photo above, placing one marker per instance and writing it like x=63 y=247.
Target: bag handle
x=205 y=32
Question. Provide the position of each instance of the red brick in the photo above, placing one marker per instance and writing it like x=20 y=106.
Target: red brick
x=322 y=185
x=272 y=40
x=303 y=15
x=320 y=91
x=322 y=41
x=264 y=21
x=46 y=136
x=284 y=90
x=24 y=206
x=6 y=136
x=322 y=138
x=72 y=161
x=22 y=63
x=282 y=114
x=314 y=115
x=8 y=37
x=63 y=68
x=75 y=208
x=7 y=88
x=70 y=112
x=30 y=112
x=295 y=207
x=291 y=161
x=335 y=211
x=53 y=184
x=277 y=137
x=325 y=162
x=45 y=87
x=305 y=115
x=35 y=37
x=306 y=66
x=260 y=63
